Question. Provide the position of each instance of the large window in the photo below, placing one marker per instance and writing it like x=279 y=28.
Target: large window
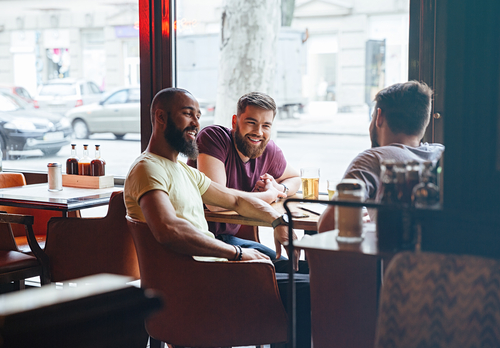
x=60 y=61
x=323 y=68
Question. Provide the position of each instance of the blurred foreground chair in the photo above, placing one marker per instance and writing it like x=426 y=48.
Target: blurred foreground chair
x=208 y=304
x=41 y=217
x=344 y=288
x=80 y=247
x=438 y=300
x=16 y=266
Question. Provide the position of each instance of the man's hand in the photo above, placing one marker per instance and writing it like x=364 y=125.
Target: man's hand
x=266 y=185
x=264 y=179
x=280 y=237
x=253 y=254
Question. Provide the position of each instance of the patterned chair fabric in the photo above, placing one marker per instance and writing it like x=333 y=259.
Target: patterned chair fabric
x=437 y=300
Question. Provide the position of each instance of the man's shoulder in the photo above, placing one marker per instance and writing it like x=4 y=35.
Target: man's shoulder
x=215 y=131
x=147 y=162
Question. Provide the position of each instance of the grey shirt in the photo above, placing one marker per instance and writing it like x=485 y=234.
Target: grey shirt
x=366 y=166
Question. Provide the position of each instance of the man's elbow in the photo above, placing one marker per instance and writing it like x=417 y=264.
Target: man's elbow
x=326 y=221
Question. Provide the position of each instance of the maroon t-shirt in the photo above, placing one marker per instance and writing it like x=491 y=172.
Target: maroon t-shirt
x=217 y=141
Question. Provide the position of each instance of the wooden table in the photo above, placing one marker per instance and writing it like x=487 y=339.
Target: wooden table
x=307 y=223
x=38 y=196
x=345 y=280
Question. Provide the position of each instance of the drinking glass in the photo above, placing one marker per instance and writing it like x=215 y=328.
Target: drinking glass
x=310 y=182
x=331 y=186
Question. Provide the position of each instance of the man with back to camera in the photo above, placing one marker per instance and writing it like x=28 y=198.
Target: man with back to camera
x=401 y=115
x=245 y=158
x=169 y=196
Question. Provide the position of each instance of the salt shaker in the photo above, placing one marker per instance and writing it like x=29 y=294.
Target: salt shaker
x=349 y=220
x=55 y=176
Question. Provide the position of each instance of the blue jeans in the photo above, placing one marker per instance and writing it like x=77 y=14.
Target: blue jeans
x=244 y=243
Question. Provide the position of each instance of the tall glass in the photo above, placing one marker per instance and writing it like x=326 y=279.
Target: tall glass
x=331 y=186
x=310 y=182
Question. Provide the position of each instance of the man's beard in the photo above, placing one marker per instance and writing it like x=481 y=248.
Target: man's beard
x=374 y=137
x=248 y=150
x=373 y=130
x=175 y=137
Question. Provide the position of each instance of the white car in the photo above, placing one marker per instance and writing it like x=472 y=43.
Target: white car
x=118 y=112
x=61 y=95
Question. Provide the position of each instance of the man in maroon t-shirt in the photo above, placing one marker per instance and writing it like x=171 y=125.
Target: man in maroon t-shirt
x=245 y=158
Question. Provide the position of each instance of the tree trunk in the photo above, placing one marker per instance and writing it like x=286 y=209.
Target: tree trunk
x=287 y=9
x=248 y=52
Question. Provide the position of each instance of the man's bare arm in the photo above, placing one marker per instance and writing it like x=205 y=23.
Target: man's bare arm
x=215 y=170
x=291 y=178
x=326 y=221
x=180 y=235
x=246 y=204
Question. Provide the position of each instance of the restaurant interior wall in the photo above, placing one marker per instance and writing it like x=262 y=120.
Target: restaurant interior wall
x=471 y=85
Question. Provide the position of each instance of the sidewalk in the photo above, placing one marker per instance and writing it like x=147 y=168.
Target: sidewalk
x=324 y=121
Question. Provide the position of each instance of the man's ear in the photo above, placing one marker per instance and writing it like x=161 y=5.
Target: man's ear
x=234 y=121
x=380 y=118
x=160 y=117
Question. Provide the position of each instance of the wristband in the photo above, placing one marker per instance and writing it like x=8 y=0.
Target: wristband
x=239 y=253
x=285 y=189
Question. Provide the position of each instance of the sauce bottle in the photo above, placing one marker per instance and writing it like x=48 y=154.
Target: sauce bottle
x=84 y=162
x=72 y=161
x=97 y=165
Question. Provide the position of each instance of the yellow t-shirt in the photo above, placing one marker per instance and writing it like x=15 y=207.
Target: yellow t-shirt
x=183 y=184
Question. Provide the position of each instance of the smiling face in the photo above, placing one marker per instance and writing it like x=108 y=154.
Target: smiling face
x=183 y=124
x=252 y=131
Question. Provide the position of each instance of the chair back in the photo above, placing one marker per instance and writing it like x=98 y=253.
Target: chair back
x=208 y=304
x=41 y=216
x=343 y=298
x=79 y=247
x=438 y=300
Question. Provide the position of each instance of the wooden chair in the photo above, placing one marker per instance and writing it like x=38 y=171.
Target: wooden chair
x=344 y=288
x=438 y=300
x=41 y=217
x=79 y=247
x=16 y=266
x=208 y=304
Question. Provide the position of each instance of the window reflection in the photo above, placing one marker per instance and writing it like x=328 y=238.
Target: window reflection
x=61 y=56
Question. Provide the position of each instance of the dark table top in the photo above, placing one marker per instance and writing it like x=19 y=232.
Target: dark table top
x=38 y=196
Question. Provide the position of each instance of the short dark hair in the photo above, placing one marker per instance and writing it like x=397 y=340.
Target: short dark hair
x=164 y=98
x=258 y=99
x=406 y=106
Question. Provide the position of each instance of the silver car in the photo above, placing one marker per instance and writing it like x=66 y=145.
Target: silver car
x=61 y=95
x=118 y=112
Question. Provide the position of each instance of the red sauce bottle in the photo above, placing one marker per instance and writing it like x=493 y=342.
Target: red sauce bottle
x=97 y=165
x=72 y=161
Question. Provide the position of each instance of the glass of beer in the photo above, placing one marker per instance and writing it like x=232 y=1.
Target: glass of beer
x=331 y=186
x=310 y=182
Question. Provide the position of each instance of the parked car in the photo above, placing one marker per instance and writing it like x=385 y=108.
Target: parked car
x=22 y=127
x=60 y=95
x=19 y=92
x=118 y=112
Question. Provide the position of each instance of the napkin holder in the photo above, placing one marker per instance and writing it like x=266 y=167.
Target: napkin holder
x=85 y=181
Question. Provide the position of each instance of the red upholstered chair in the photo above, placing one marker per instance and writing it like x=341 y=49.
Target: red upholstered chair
x=208 y=304
x=16 y=266
x=41 y=217
x=79 y=247
x=249 y=233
